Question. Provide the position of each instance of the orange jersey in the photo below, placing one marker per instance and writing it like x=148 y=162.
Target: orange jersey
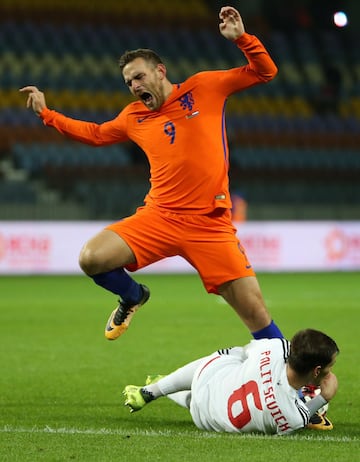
x=185 y=140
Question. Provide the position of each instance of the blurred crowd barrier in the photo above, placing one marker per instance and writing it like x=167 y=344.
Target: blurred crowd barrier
x=53 y=247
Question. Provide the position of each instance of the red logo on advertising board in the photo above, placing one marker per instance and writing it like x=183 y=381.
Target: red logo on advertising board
x=262 y=248
x=24 y=248
x=340 y=244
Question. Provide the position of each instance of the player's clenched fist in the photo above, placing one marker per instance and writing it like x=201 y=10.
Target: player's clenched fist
x=36 y=99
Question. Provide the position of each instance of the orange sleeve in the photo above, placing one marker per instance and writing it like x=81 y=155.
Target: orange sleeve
x=91 y=133
x=259 y=59
x=260 y=68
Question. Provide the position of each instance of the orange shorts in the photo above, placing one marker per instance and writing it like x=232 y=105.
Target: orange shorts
x=207 y=242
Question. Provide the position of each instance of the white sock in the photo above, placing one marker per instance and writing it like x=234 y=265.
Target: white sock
x=178 y=380
x=182 y=398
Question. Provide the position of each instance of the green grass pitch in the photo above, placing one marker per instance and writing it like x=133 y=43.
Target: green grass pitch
x=61 y=380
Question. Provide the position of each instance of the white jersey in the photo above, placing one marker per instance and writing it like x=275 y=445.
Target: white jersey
x=245 y=389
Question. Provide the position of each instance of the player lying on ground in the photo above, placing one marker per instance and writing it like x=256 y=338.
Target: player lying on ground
x=253 y=388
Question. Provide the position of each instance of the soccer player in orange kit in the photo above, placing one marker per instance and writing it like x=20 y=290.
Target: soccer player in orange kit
x=187 y=212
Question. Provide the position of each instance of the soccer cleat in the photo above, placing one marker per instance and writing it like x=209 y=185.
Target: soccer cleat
x=120 y=318
x=319 y=422
x=150 y=379
x=135 y=398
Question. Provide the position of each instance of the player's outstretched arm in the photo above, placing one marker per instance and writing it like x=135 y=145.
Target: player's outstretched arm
x=231 y=25
x=86 y=132
x=36 y=99
x=262 y=68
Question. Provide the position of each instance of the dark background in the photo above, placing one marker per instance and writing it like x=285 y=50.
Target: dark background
x=294 y=142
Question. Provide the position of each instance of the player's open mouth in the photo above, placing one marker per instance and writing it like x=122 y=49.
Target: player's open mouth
x=146 y=97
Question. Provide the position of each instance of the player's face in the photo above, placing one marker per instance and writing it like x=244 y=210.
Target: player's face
x=145 y=81
x=324 y=371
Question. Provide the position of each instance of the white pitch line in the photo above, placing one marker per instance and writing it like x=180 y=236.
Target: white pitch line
x=114 y=432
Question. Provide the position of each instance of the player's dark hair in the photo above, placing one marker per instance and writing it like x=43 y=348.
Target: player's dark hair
x=145 y=53
x=310 y=348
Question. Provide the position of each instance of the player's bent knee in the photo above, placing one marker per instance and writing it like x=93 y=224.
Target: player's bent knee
x=89 y=262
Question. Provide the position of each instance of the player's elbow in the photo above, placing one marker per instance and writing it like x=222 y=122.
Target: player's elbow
x=274 y=72
x=270 y=75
